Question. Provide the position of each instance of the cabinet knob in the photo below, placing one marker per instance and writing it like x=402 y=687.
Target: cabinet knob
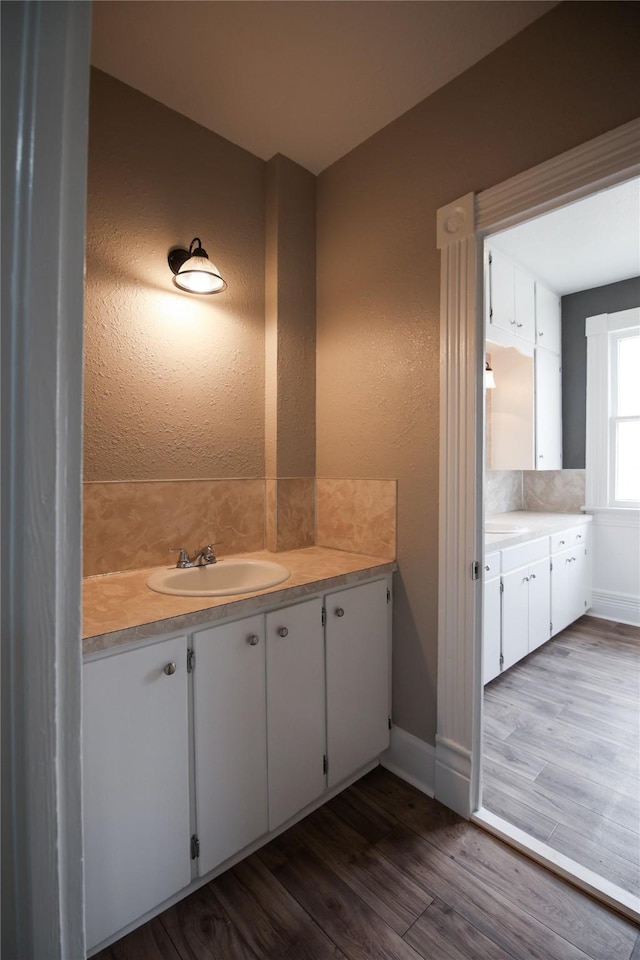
x=487 y=567
x=170 y=669
x=518 y=325
x=541 y=456
x=561 y=543
x=283 y=632
x=532 y=576
x=339 y=612
x=253 y=640
x=578 y=536
x=541 y=333
x=525 y=579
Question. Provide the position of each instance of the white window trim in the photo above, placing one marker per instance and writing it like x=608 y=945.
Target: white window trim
x=598 y=330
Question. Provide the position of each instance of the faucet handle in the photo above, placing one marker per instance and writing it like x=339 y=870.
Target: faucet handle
x=183 y=559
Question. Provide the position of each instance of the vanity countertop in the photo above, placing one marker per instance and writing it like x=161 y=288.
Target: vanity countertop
x=119 y=608
x=537 y=524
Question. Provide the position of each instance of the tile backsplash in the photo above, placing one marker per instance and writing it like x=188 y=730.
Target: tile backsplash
x=555 y=491
x=129 y=525
x=357 y=515
x=552 y=491
x=133 y=524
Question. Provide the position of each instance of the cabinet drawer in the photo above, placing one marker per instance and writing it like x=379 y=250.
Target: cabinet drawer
x=569 y=538
x=524 y=553
x=491 y=566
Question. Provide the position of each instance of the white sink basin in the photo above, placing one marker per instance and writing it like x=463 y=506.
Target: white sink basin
x=219 y=579
x=504 y=526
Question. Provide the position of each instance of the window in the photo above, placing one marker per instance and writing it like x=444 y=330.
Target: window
x=624 y=429
x=613 y=410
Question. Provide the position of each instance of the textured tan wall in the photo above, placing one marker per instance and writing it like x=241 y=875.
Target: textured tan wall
x=572 y=75
x=174 y=383
x=290 y=320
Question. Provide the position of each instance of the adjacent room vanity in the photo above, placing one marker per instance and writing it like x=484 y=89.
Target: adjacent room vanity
x=208 y=730
x=537 y=580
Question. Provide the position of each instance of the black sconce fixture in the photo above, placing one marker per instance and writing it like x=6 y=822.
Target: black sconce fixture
x=489 y=379
x=193 y=271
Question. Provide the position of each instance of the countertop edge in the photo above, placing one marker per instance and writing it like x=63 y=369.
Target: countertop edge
x=543 y=525
x=232 y=609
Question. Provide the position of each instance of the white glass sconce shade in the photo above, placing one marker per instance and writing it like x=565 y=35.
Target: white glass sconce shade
x=193 y=271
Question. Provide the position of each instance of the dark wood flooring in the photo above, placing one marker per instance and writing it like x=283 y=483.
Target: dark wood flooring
x=382 y=872
x=561 y=750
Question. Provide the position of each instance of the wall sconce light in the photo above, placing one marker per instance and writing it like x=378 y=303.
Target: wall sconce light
x=193 y=271
x=489 y=379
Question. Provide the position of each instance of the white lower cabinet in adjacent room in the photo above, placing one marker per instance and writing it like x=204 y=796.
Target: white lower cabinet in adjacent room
x=571 y=587
x=296 y=718
x=492 y=634
x=229 y=701
x=358 y=696
x=135 y=784
x=526 y=599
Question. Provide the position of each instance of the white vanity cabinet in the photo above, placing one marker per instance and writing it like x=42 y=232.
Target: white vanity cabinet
x=198 y=746
x=358 y=675
x=491 y=646
x=135 y=783
x=526 y=599
x=296 y=720
x=570 y=577
x=229 y=703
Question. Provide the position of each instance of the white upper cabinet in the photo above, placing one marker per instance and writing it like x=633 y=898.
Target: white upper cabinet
x=548 y=319
x=548 y=410
x=512 y=298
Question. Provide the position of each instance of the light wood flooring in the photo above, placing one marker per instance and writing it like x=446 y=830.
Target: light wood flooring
x=382 y=872
x=561 y=747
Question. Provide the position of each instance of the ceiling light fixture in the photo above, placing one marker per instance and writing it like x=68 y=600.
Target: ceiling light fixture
x=193 y=271
x=489 y=379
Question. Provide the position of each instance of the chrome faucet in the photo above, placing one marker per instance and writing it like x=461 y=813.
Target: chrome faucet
x=201 y=558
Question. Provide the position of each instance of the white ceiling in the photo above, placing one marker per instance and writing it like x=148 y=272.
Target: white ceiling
x=307 y=78
x=584 y=245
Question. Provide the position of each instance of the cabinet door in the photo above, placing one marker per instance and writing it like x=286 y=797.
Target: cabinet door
x=581 y=585
x=539 y=603
x=515 y=616
x=563 y=589
x=502 y=292
x=295 y=709
x=525 y=306
x=357 y=645
x=548 y=407
x=491 y=630
x=230 y=732
x=548 y=319
x=136 y=784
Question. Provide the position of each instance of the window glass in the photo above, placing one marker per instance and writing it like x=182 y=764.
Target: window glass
x=628 y=377
x=627 y=474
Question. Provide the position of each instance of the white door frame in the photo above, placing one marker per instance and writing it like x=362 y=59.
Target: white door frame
x=461 y=229
x=45 y=87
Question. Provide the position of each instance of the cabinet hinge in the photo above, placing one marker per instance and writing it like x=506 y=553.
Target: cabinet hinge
x=501 y=661
x=191 y=660
x=551 y=628
x=388 y=595
x=325 y=765
x=475 y=570
x=389 y=723
x=550 y=564
x=195 y=847
x=501 y=587
x=324 y=617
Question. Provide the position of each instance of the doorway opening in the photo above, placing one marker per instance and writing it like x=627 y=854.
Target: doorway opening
x=462 y=227
x=560 y=750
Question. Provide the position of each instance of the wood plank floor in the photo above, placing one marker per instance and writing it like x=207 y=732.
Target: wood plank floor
x=382 y=872
x=561 y=747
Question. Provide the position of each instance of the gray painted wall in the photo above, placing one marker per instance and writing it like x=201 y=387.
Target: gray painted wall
x=576 y=307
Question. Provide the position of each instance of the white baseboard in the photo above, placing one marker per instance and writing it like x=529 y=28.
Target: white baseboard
x=619 y=607
x=411 y=759
x=453 y=776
